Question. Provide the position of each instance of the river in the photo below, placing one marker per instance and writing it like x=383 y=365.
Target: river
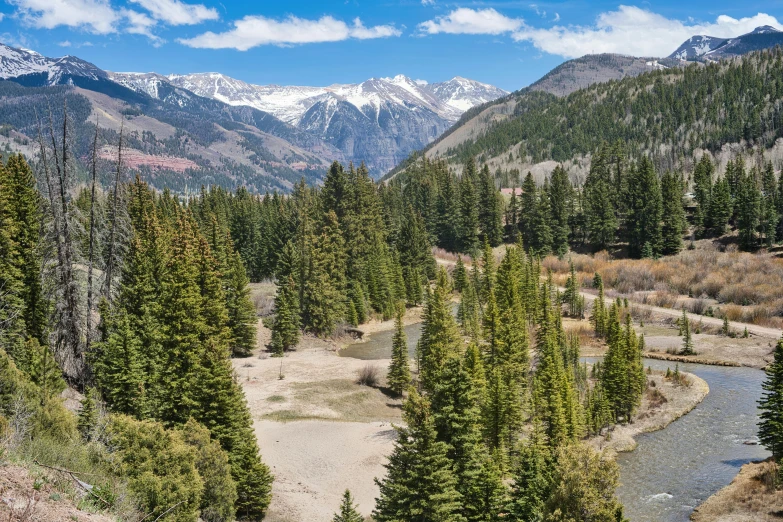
x=675 y=469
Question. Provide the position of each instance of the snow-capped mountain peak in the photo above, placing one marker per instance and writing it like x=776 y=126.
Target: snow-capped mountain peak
x=764 y=29
x=702 y=47
x=290 y=103
x=21 y=62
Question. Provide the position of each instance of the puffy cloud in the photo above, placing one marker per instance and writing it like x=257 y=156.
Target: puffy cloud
x=635 y=31
x=252 y=31
x=96 y=16
x=175 y=12
x=471 y=21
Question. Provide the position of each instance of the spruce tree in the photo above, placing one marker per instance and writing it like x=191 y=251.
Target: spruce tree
x=399 y=376
x=771 y=406
x=643 y=223
x=23 y=207
x=769 y=212
x=490 y=209
x=419 y=485
x=532 y=479
x=673 y=214
x=460 y=276
x=347 y=511
x=455 y=408
x=241 y=312
x=468 y=209
x=702 y=191
x=560 y=196
x=748 y=210
x=285 y=329
x=721 y=207
x=440 y=337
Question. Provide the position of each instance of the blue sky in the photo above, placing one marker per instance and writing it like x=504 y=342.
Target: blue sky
x=508 y=43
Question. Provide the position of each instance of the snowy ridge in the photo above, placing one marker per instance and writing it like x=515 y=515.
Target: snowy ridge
x=702 y=47
x=290 y=103
x=20 y=62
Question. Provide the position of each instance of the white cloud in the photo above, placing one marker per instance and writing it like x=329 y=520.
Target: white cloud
x=471 y=21
x=252 y=31
x=95 y=16
x=557 y=17
x=635 y=31
x=175 y=12
x=140 y=23
x=64 y=43
x=427 y=2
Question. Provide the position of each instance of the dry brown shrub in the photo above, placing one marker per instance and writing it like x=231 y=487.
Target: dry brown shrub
x=749 y=285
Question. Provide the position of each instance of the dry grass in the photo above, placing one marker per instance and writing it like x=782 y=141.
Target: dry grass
x=368 y=376
x=335 y=400
x=262 y=295
x=747 y=287
x=752 y=495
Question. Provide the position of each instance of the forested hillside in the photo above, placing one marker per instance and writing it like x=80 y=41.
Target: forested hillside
x=666 y=114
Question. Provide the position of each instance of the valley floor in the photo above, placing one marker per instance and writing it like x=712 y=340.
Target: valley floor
x=321 y=432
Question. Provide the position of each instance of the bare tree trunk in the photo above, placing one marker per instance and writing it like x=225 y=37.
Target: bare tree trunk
x=91 y=248
x=68 y=349
x=113 y=230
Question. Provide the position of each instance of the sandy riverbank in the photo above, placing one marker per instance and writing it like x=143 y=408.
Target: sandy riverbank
x=750 y=497
x=654 y=414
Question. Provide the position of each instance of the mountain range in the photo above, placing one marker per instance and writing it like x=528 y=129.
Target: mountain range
x=280 y=132
x=186 y=130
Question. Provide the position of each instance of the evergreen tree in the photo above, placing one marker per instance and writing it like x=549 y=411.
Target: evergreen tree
x=23 y=207
x=285 y=329
x=598 y=315
x=599 y=210
x=419 y=485
x=241 y=313
x=440 y=339
x=560 y=195
x=720 y=207
x=748 y=209
x=643 y=223
x=771 y=406
x=769 y=212
x=532 y=479
x=460 y=276
x=673 y=213
x=468 y=209
x=490 y=210
x=455 y=410
x=347 y=512
x=702 y=191
x=399 y=377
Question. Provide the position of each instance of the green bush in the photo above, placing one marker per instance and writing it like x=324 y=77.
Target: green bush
x=160 y=466
x=220 y=491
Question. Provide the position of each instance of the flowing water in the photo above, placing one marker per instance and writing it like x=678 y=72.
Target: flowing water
x=672 y=470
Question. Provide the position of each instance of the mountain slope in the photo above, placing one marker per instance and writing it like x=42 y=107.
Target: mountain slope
x=667 y=114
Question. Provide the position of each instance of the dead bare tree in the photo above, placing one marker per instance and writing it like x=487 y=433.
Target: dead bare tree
x=91 y=247
x=67 y=345
x=111 y=260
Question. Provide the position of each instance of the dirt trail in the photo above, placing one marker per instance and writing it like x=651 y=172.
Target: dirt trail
x=761 y=331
